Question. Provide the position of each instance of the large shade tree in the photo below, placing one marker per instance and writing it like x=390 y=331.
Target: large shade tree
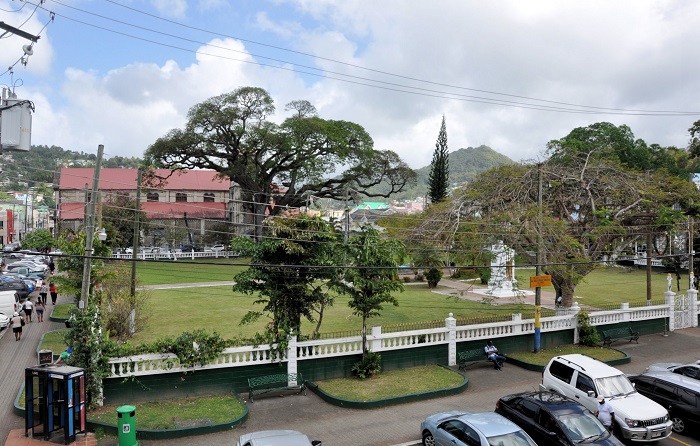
x=279 y=165
x=594 y=206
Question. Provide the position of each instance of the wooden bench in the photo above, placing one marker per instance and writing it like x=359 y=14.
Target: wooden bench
x=615 y=334
x=469 y=357
x=279 y=381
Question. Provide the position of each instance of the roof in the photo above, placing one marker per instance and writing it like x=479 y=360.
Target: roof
x=372 y=205
x=592 y=367
x=156 y=210
x=674 y=378
x=72 y=178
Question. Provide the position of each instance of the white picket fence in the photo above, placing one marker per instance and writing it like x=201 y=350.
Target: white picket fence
x=450 y=334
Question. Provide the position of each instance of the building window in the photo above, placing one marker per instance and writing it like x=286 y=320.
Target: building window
x=152 y=196
x=208 y=197
x=180 y=196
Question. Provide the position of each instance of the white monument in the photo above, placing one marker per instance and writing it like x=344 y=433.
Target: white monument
x=503 y=282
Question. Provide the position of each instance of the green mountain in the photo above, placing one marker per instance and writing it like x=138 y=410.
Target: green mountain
x=465 y=164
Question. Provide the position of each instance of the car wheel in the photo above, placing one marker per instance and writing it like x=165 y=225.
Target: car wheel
x=428 y=439
x=678 y=424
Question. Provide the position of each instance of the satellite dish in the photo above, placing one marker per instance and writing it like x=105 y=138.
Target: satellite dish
x=28 y=50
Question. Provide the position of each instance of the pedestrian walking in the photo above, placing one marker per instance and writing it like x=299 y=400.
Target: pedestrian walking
x=27 y=307
x=52 y=266
x=43 y=292
x=39 y=308
x=54 y=293
x=16 y=323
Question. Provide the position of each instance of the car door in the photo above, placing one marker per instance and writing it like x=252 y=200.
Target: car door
x=551 y=432
x=687 y=406
x=584 y=390
x=450 y=433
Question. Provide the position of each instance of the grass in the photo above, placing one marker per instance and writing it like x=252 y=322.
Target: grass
x=62 y=310
x=172 y=414
x=392 y=384
x=543 y=357
x=53 y=340
x=186 y=271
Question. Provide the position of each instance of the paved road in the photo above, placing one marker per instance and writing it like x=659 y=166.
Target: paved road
x=352 y=427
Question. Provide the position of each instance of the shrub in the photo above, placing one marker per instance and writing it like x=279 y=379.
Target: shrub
x=367 y=366
x=433 y=276
x=587 y=334
x=420 y=278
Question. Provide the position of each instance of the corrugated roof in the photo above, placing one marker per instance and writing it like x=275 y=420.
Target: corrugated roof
x=157 y=210
x=72 y=178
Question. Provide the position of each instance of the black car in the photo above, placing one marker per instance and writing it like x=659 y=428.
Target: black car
x=17 y=285
x=553 y=419
x=190 y=248
x=679 y=394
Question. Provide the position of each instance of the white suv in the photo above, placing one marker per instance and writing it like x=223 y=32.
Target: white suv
x=584 y=379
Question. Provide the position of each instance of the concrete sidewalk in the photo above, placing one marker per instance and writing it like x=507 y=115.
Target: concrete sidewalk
x=400 y=424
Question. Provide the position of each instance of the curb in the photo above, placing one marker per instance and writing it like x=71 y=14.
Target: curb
x=156 y=434
x=375 y=404
x=540 y=368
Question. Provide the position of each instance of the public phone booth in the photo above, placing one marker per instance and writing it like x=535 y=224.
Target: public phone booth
x=55 y=401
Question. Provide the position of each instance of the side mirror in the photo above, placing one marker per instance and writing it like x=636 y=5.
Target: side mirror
x=316 y=443
x=591 y=393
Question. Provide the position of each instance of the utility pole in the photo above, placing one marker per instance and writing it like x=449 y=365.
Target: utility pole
x=90 y=231
x=538 y=267
x=135 y=244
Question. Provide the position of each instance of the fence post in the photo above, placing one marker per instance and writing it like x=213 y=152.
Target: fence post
x=625 y=307
x=292 y=355
x=693 y=303
x=671 y=303
x=574 y=309
x=376 y=344
x=451 y=325
x=517 y=326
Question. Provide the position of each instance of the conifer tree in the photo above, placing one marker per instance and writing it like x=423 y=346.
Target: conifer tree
x=439 y=178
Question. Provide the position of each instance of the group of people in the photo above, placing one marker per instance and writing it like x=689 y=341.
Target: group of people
x=28 y=307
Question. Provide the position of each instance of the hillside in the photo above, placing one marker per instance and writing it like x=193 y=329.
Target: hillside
x=465 y=164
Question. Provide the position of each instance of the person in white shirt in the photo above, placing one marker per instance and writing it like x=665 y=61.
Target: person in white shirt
x=493 y=355
x=28 y=306
x=605 y=413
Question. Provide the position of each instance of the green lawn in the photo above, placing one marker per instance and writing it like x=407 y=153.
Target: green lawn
x=187 y=271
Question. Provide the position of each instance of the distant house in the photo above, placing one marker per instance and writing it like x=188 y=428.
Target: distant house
x=368 y=213
x=193 y=200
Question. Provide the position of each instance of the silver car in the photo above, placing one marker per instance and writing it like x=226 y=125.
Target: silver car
x=276 y=438
x=691 y=370
x=456 y=428
x=4 y=320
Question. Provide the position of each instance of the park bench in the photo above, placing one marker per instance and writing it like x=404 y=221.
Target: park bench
x=469 y=357
x=279 y=381
x=615 y=334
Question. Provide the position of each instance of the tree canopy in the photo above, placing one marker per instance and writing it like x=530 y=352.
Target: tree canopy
x=439 y=177
x=279 y=165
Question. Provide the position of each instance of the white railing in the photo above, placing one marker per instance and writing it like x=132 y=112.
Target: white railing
x=175 y=255
x=449 y=335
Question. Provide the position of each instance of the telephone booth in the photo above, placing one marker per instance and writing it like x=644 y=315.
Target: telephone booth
x=55 y=401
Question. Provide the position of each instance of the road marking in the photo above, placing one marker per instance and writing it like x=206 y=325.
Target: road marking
x=679 y=441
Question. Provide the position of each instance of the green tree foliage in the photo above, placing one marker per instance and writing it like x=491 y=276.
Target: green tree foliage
x=71 y=263
x=433 y=276
x=38 y=240
x=371 y=277
x=118 y=217
x=123 y=315
x=439 y=178
x=288 y=272
x=231 y=133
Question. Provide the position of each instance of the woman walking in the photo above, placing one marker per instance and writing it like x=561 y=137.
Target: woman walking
x=39 y=308
x=16 y=322
x=54 y=293
x=43 y=292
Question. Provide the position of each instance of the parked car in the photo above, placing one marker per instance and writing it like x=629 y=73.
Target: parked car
x=637 y=418
x=680 y=394
x=4 y=320
x=11 y=247
x=283 y=437
x=218 y=248
x=553 y=419
x=15 y=285
x=456 y=428
x=690 y=370
x=190 y=248
x=14 y=255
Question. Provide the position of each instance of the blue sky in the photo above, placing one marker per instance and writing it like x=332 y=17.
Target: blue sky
x=124 y=72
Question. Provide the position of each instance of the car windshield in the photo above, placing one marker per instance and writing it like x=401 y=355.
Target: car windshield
x=518 y=438
x=581 y=426
x=614 y=386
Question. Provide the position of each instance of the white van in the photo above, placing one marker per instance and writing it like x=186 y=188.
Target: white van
x=584 y=379
x=9 y=303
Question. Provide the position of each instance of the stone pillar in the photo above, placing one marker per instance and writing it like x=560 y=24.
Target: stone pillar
x=625 y=306
x=292 y=356
x=517 y=326
x=451 y=325
x=693 y=303
x=375 y=345
x=573 y=312
x=670 y=297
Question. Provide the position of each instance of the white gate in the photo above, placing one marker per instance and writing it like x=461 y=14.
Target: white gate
x=682 y=316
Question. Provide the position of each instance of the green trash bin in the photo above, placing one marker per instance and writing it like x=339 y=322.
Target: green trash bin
x=126 y=425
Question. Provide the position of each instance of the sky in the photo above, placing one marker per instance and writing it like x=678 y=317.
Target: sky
x=509 y=74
